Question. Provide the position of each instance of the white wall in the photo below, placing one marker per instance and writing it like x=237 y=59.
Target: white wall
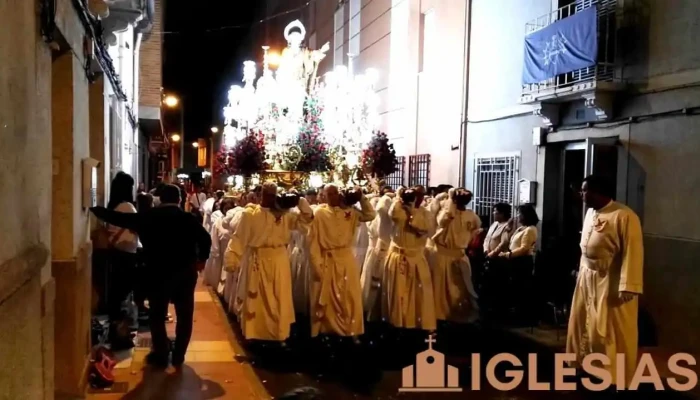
x=125 y=57
x=387 y=34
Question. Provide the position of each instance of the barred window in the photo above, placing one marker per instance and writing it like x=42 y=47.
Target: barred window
x=396 y=179
x=495 y=181
x=419 y=170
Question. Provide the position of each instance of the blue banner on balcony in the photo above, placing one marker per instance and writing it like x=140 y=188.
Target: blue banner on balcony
x=566 y=45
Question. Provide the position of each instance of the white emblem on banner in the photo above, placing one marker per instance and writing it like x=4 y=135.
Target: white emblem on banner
x=555 y=47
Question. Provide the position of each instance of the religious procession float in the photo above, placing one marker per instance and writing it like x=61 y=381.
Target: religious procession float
x=300 y=129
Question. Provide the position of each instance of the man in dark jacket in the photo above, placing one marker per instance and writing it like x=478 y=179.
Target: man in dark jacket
x=175 y=248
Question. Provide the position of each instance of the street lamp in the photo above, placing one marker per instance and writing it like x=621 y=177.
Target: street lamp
x=171 y=101
x=214 y=129
x=175 y=137
x=195 y=145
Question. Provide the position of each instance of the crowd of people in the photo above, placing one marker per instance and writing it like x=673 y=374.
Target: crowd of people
x=342 y=259
x=339 y=260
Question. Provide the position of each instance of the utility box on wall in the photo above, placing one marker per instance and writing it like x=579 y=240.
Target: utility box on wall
x=527 y=192
x=90 y=166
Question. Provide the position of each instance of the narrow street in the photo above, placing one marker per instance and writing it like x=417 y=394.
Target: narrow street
x=220 y=366
x=211 y=370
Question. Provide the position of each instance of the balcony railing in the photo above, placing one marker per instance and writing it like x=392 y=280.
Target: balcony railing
x=603 y=71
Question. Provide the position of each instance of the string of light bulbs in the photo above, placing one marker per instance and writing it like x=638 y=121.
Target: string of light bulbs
x=239 y=26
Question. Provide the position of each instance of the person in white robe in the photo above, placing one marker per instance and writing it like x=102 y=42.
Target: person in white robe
x=407 y=286
x=208 y=208
x=373 y=271
x=299 y=259
x=262 y=237
x=219 y=241
x=362 y=240
x=301 y=274
x=234 y=291
x=434 y=206
x=605 y=304
x=336 y=295
x=455 y=297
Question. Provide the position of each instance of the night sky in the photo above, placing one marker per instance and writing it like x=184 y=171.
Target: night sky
x=200 y=66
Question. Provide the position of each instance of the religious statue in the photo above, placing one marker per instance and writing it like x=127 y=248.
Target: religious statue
x=312 y=60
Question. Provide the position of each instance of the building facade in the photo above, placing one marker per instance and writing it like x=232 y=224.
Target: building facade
x=631 y=117
x=418 y=47
x=421 y=86
x=65 y=98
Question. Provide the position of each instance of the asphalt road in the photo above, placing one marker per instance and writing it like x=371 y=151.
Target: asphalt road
x=339 y=370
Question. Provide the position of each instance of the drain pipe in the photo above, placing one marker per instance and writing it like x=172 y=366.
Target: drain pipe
x=465 y=95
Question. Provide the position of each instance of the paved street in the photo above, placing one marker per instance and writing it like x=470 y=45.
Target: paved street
x=218 y=366
x=373 y=370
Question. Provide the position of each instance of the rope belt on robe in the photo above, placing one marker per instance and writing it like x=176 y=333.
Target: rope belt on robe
x=379 y=250
x=329 y=265
x=253 y=285
x=405 y=272
x=596 y=306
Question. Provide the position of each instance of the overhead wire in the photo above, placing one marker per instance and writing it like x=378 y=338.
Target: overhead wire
x=238 y=26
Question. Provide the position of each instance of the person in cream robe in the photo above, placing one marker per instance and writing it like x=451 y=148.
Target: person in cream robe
x=362 y=241
x=434 y=206
x=380 y=237
x=604 y=308
x=299 y=260
x=219 y=241
x=262 y=236
x=234 y=291
x=336 y=295
x=455 y=298
x=407 y=286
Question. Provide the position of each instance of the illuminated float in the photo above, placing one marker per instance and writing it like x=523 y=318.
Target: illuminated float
x=305 y=130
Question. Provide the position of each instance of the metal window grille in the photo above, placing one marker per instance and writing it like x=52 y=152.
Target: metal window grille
x=395 y=180
x=419 y=170
x=495 y=181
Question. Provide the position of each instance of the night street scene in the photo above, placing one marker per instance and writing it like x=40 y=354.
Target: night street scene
x=349 y=199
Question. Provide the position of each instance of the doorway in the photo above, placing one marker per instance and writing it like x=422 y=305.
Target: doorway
x=577 y=160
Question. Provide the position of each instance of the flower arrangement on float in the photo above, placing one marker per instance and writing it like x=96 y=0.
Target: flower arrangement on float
x=379 y=157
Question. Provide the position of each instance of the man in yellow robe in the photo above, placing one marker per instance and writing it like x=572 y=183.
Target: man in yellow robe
x=336 y=295
x=407 y=286
x=262 y=237
x=455 y=298
x=604 y=308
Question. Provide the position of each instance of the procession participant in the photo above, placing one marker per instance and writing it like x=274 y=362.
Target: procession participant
x=455 y=298
x=262 y=237
x=234 y=287
x=299 y=260
x=373 y=270
x=312 y=197
x=361 y=242
x=208 y=208
x=407 y=298
x=610 y=279
x=336 y=295
x=219 y=240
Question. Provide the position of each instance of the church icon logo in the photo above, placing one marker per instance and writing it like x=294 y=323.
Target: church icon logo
x=430 y=373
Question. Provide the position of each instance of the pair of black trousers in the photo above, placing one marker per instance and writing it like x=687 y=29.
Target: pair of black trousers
x=120 y=282
x=177 y=287
x=140 y=281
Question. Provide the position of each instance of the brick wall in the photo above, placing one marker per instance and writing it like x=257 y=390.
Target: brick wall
x=151 y=62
